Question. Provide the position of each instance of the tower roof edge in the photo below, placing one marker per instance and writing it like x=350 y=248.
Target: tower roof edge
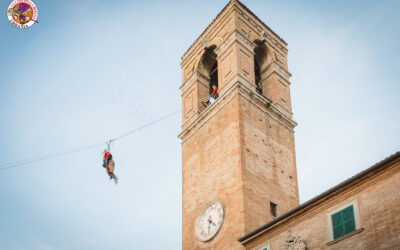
x=231 y=3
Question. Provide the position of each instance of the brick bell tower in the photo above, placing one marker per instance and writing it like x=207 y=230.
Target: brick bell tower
x=238 y=153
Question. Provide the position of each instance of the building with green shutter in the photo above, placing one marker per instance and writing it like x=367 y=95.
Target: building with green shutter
x=362 y=212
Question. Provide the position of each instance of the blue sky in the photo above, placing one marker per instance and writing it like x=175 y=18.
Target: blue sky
x=93 y=70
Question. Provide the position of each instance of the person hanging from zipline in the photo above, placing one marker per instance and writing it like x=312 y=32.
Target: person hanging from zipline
x=107 y=157
x=109 y=164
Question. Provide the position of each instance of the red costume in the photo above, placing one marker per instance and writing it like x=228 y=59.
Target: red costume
x=107 y=156
x=214 y=92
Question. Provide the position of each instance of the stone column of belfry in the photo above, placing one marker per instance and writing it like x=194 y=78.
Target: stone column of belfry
x=239 y=152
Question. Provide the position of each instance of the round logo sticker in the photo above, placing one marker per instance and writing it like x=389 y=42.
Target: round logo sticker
x=22 y=13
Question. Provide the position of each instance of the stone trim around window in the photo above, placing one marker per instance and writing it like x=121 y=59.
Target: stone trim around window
x=345 y=236
x=354 y=202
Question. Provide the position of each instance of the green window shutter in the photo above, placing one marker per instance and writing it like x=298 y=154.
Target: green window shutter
x=337 y=219
x=348 y=213
x=349 y=226
x=348 y=218
x=343 y=222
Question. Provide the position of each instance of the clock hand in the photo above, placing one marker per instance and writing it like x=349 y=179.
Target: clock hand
x=210 y=222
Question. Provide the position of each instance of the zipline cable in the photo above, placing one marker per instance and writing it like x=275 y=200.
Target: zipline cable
x=21 y=163
x=39 y=157
x=146 y=125
x=9 y=165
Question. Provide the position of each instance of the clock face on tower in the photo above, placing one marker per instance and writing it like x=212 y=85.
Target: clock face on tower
x=209 y=221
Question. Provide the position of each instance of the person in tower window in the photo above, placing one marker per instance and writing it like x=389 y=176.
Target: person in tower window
x=214 y=94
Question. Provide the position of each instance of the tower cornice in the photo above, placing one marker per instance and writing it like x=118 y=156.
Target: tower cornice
x=239 y=88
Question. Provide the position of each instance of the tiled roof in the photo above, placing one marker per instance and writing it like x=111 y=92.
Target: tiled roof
x=220 y=13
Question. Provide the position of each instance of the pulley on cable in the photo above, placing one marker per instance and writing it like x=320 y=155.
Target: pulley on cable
x=108 y=143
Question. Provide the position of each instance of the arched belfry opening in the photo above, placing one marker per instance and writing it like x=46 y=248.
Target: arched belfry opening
x=260 y=63
x=208 y=66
